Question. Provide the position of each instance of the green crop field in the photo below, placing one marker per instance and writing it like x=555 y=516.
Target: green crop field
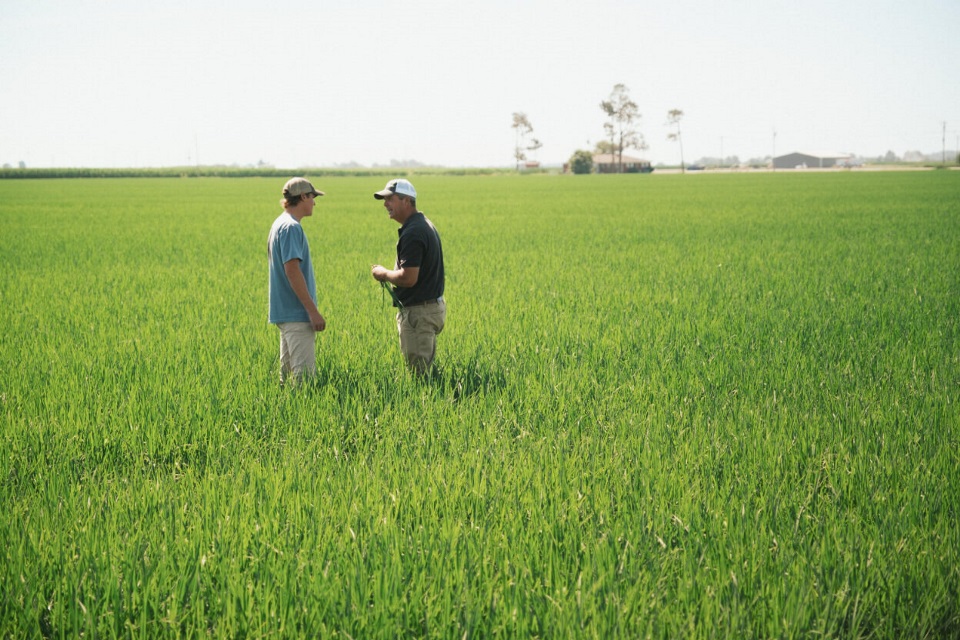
x=677 y=406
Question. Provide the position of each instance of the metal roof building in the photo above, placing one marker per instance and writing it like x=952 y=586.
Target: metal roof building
x=797 y=160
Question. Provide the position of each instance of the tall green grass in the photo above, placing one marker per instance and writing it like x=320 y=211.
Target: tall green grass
x=666 y=406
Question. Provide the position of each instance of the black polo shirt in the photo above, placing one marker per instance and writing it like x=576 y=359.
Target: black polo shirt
x=419 y=246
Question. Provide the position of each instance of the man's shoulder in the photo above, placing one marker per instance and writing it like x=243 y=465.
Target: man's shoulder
x=285 y=219
x=285 y=222
x=418 y=223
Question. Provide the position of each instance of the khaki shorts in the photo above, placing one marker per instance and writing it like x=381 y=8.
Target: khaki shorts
x=298 y=350
x=418 y=326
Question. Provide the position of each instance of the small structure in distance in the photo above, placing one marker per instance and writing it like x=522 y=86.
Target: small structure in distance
x=798 y=160
x=608 y=163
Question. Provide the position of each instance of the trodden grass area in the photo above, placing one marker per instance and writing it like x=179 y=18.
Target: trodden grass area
x=666 y=406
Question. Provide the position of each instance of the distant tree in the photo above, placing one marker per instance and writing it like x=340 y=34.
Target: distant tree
x=534 y=144
x=712 y=161
x=673 y=118
x=521 y=125
x=891 y=157
x=581 y=161
x=622 y=114
x=605 y=147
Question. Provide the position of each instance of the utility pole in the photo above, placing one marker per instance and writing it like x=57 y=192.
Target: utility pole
x=773 y=159
x=944 y=143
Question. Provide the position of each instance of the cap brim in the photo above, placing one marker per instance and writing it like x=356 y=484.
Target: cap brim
x=380 y=195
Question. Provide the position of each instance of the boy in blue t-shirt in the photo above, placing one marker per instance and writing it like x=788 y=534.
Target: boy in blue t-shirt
x=293 y=290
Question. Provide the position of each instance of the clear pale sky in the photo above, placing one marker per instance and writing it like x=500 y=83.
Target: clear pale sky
x=129 y=83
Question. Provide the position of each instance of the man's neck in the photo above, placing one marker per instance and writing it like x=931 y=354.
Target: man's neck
x=406 y=217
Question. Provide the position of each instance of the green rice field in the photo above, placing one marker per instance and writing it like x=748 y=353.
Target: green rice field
x=666 y=406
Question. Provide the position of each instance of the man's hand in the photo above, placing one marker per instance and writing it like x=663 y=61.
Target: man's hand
x=379 y=273
x=317 y=321
x=404 y=277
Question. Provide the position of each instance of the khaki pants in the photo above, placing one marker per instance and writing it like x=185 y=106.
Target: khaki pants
x=298 y=350
x=418 y=327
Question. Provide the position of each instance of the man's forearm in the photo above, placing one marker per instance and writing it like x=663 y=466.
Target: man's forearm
x=299 y=286
x=404 y=278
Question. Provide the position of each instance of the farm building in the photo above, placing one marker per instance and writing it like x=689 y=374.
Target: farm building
x=799 y=160
x=608 y=163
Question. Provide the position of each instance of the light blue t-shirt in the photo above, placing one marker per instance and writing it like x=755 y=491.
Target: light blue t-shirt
x=288 y=242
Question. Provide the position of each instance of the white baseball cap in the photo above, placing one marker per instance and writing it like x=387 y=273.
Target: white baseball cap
x=399 y=186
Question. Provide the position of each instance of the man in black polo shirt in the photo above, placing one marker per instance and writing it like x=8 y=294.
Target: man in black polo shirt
x=417 y=276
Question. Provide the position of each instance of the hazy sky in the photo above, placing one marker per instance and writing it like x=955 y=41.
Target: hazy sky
x=119 y=83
